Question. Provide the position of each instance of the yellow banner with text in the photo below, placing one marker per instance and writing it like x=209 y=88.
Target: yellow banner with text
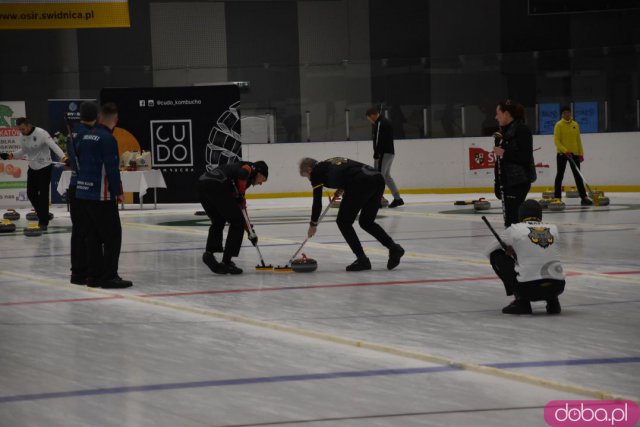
x=34 y=15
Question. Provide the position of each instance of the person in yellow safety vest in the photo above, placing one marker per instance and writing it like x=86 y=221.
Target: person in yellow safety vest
x=566 y=136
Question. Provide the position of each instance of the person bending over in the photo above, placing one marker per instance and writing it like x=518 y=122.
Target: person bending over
x=361 y=187
x=221 y=193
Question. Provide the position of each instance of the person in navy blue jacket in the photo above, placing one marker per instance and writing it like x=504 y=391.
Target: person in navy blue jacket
x=99 y=189
x=88 y=117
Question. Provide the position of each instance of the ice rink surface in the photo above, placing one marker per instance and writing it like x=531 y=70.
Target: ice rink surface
x=423 y=345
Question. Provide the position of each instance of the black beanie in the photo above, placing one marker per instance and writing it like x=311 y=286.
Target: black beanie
x=530 y=210
x=261 y=167
x=88 y=111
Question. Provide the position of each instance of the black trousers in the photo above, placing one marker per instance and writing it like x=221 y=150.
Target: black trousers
x=362 y=195
x=513 y=198
x=79 y=246
x=561 y=161
x=38 y=187
x=221 y=207
x=534 y=290
x=103 y=231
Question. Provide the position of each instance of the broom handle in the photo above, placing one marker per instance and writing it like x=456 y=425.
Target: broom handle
x=319 y=220
x=581 y=176
x=502 y=243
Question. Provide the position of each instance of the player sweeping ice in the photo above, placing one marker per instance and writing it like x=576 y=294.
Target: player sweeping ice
x=362 y=187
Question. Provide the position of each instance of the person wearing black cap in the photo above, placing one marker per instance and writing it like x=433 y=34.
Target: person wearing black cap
x=79 y=269
x=530 y=267
x=363 y=187
x=222 y=195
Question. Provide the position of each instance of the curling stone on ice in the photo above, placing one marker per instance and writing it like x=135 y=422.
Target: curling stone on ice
x=572 y=193
x=544 y=203
x=602 y=200
x=33 y=216
x=304 y=264
x=548 y=194
x=33 y=229
x=481 y=204
x=556 y=205
x=6 y=226
x=11 y=214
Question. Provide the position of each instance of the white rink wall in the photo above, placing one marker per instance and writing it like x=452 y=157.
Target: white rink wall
x=611 y=159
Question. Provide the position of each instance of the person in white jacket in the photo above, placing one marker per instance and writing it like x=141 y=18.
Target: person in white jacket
x=530 y=265
x=36 y=146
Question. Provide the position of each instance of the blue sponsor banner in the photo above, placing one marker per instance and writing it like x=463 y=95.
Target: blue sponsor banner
x=549 y=114
x=586 y=114
x=59 y=111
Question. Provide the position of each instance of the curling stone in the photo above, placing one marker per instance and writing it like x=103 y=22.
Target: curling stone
x=32 y=230
x=304 y=264
x=481 y=205
x=572 y=194
x=6 y=226
x=33 y=216
x=11 y=214
x=544 y=203
x=556 y=205
x=548 y=194
x=597 y=192
x=603 y=201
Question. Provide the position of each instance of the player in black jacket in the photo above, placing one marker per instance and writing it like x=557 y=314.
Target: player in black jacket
x=362 y=187
x=384 y=151
x=221 y=192
x=514 y=159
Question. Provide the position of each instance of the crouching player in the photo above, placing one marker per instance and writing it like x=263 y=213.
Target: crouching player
x=530 y=266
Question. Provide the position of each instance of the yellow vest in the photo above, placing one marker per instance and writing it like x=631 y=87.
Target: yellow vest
x=566 y=136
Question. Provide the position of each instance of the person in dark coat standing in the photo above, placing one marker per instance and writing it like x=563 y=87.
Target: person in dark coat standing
x=79 y=268
x=514 y=159
x=384 y=151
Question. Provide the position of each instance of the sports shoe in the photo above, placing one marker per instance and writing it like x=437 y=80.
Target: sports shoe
x=553 y=306
x=209 y=259
x=518 y=306
x=228 y=268
x=395 y=253
x=78 y=279
x=116 y=283
x=93 y=283
x=586 y=202
x=42 y=227
x=360 y=264
x=396 y=203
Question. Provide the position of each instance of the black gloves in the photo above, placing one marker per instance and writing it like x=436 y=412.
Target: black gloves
x=253 y=237
x=496 y=191
x=497 y=138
